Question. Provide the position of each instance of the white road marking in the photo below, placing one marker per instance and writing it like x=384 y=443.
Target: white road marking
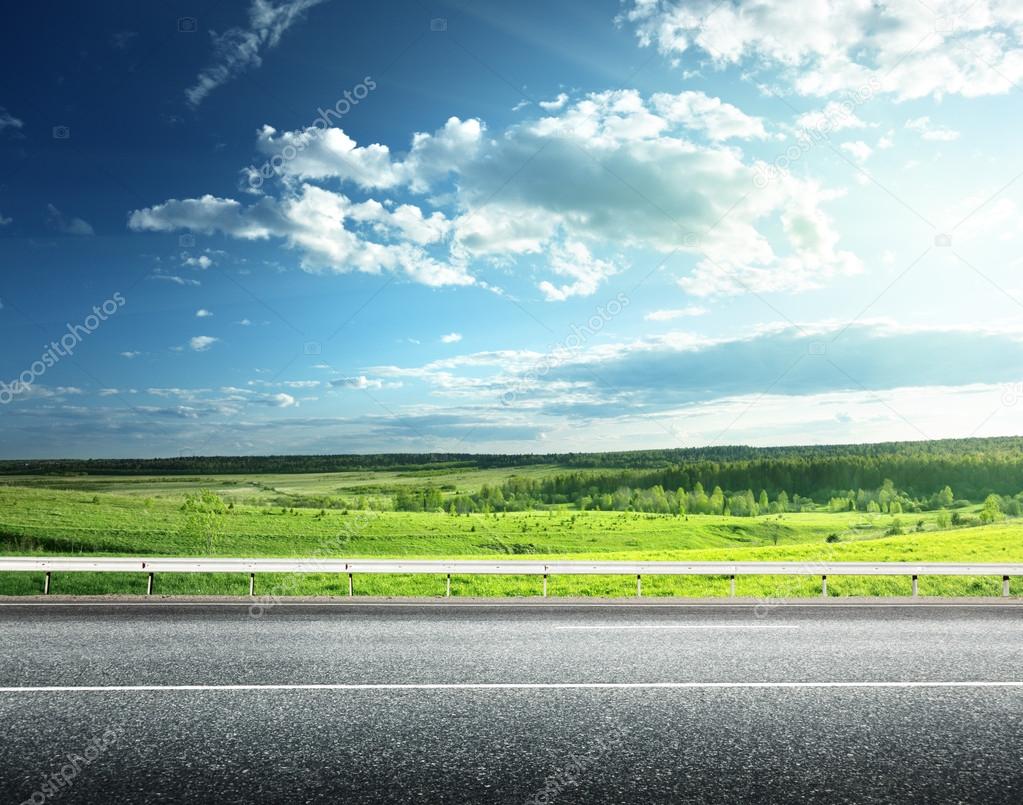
x=628 y=628
x=504 y=686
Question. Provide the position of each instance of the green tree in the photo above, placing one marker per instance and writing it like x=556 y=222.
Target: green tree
x=717 y=501
x=992 y=511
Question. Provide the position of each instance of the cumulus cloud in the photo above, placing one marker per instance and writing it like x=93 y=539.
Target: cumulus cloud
x=573 y=260
x=241 y=48
x=611 y=170
x=203 y=313
x=912 y=50
x=202 y=261
x=702 y=112
x=332 y=154
x=323 y=225
x=201 y=343
x=451 y=338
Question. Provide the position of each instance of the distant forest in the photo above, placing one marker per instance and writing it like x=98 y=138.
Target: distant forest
x=973 y=468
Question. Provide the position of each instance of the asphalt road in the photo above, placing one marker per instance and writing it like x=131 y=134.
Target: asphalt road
x=140 y=703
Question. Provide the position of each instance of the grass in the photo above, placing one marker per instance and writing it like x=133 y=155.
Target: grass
x=141 y=516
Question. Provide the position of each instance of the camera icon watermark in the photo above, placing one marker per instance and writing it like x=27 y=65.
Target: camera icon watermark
x=187 y=25
x=817 y=348
x=1011 y=394
x=61 y=133
x=312 y=348
x=438 y=24
x=942 y=240
x=186 y=241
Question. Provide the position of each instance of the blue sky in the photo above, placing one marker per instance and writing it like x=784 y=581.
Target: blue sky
x=311 y=226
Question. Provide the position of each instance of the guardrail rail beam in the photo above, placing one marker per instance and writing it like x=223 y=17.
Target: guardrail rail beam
x=151 y=566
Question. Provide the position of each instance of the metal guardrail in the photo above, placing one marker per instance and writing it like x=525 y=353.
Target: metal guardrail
x=351 y=567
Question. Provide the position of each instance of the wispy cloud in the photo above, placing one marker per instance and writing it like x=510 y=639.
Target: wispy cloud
x=9 y=121
x=66 y=225
x=676 y=313
x=241 y=48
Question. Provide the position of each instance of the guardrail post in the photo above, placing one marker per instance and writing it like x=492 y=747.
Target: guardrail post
x=1005 y=586
x=46 y=584
x=731 y=590
x=824 y=586
x=447 y=592
x=149 y=585
x=252 y=583
x=639 y=585
x=544 y=585
x=916 y=586
x=351 y=586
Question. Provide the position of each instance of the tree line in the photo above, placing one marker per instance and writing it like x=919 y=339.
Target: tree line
x=974 y=468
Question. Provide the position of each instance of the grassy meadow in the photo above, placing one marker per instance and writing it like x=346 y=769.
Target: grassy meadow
x=277 y=515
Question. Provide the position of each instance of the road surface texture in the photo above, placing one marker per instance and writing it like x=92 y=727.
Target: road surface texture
x=376 y=702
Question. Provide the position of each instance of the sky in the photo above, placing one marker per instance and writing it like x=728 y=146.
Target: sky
x=313 y=226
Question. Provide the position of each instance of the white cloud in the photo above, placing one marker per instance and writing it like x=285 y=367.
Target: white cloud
x=910 y=49
x=451 y=338
x=240 y=49
x=574 y=261
x=554 y=105
x=835 y=116
x=609 y=171
x=929 y=131
x=203 y=313
x=130 y=354
x=201 y=343
x=363 y=382
x=202 y=261
x=858 y=149
x=677 y=313
x=316 y=221
x=4 y=221
x=702 y=112
x=57 y=221
x=333 y=154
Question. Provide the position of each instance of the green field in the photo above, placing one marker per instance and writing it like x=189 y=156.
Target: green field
x=103 y=515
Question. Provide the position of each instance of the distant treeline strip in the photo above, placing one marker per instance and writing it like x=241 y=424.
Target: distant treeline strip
x=973 y=467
